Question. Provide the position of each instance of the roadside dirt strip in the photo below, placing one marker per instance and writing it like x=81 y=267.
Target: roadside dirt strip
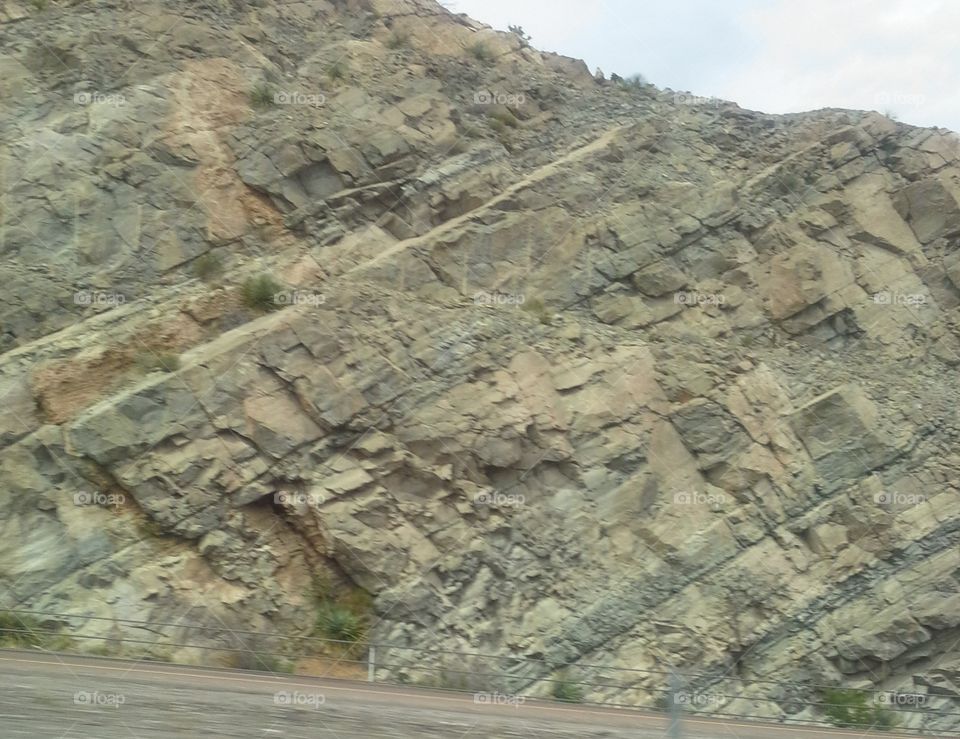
x=69 y=697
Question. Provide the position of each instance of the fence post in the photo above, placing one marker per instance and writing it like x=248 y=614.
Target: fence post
x=674 y=732
x=371 y=663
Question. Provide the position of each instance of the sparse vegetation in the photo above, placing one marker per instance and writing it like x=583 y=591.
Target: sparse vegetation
x=337 y=71
x=398 y=40
x=17 y=630
x=151 y=361
x=850 y=708
x=481 y=52
x=503 y=132
x=260 y=293
x=261 y=96
x=663 y=701
x=22 y=630
x=634 y=82
x=207 y=266
x=525 y=38
x=337 y=622
x=537 y=308
x=566 y=690
x=343 y=617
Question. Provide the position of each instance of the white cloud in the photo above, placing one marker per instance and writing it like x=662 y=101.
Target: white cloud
x=872 y=54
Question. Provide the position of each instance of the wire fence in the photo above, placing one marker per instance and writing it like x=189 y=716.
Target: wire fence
x=490 y=678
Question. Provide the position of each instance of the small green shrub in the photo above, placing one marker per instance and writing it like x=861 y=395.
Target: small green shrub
x=503 y=131
x=22 y=630
x=18 y=630
x=207 y=266
x=566 y=690
x=150 y=361
x=340 y=623
x=537 y=308
x=398 y=40
x=889 y=145
x=337 y=71
x=261 y=96
x=634 y=82
x=260 y=293
x=850 y=708
x=481 y=52
x=525 y=38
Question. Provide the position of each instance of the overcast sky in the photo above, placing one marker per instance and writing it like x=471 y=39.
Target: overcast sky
x=778 y=56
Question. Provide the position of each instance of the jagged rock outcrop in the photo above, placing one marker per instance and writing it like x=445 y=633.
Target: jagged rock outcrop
x=566 y=369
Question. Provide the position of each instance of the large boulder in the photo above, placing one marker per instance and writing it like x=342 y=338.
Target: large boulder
x=841 y=431
x=931 y=208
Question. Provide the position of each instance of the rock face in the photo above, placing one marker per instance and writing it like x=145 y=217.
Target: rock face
x=842 y=434
x=562 y=369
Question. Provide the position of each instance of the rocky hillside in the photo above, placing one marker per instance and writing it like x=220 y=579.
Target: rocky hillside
x=306 y=296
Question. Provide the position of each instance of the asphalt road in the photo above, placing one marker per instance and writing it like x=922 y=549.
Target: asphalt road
x=69 y=697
